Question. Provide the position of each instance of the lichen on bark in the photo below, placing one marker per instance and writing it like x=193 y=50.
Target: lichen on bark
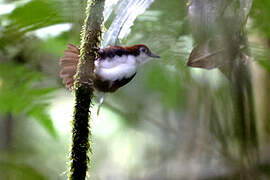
x=84 y=91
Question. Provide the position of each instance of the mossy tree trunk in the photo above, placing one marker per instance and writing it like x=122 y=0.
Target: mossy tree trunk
x=81 y=134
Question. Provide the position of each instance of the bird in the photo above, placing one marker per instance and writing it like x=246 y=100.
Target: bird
x=115 y=66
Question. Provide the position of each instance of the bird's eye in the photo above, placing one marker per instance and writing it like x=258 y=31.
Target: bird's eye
x=143 y=49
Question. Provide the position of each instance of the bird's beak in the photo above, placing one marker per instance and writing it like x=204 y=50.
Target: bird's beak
x=154 y=55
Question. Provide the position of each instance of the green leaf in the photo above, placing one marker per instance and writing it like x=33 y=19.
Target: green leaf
x=261 y=14
x=21 y=94
x=58 y=44
x=34 y=15
x=40 y=114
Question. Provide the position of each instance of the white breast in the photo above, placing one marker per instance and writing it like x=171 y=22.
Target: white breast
x=116 y=68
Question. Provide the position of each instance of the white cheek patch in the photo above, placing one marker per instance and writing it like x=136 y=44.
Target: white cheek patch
x=116 y=68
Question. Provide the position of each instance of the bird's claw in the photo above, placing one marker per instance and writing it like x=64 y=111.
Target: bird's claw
x=87 y=83
x=96 y=48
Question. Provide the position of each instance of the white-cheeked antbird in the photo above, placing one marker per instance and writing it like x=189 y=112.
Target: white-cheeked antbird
x=115 y=66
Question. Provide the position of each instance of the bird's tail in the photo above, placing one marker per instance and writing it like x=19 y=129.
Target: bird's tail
x=68 y=65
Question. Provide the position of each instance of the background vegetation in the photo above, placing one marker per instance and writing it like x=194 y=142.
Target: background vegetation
x=172 y=122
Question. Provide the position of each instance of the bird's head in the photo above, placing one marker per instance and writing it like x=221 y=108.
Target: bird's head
x=142 y=52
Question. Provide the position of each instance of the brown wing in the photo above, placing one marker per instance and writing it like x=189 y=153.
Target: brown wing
x=68 y=65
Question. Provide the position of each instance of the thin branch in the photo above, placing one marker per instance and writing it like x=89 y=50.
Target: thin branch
x=91 y=36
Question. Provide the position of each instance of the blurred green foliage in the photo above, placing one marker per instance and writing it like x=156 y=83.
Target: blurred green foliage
x=260 y=15
x=34 y=15
x=14 y=42
x=21 y=95
x=179 y=106
x=19 y=172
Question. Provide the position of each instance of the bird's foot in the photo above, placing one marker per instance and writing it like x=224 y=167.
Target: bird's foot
x=96 y=48
x=89 y=83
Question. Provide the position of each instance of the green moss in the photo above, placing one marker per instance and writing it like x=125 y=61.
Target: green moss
x=81 y=131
